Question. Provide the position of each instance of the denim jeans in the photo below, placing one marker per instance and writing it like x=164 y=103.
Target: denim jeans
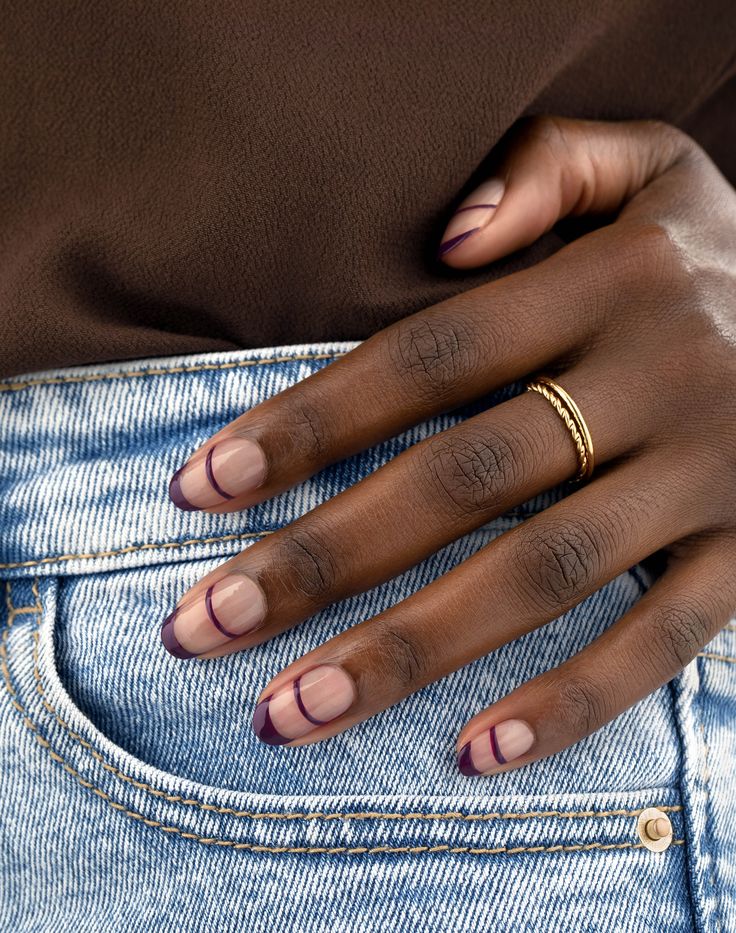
x=135 y=796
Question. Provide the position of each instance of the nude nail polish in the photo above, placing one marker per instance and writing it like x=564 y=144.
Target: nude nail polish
x=230 y=607
x=474 y=214
x=168 y=637
x=495 y=747
x=296 y=709
x=229 y=469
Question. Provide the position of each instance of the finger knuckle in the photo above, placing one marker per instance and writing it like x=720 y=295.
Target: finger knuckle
x=678 y=631
x=468 y=472
x=666 y=136
x=582 y=704
x=431 y=354
x=558 y=562
x=307 y=428
x=652 y=254
x=405 y=658
x=307 y=564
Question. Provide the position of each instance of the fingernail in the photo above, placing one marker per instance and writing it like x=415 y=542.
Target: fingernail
x=501 y=743
x=473 y=215
x=170 y=640
x=229 y=469
x=230 y=607
x=312 y=700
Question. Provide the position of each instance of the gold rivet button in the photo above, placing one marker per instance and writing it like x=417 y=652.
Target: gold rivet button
x=655 y=829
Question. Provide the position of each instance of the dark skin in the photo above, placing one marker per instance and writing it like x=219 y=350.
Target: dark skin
x=637 y=320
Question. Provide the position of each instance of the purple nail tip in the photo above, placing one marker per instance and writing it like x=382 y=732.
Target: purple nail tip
x=177 y=496
x=465 y=762
x=455 y=241
x=264 y=728
x=170 y=641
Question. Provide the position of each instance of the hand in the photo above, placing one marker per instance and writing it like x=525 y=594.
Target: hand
x=637 y=321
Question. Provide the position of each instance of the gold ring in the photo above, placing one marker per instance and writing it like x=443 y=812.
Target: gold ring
x=571 y=415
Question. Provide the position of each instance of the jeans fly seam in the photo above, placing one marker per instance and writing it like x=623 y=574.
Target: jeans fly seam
x=280 y=850
x=243 y=814
x=165 y=371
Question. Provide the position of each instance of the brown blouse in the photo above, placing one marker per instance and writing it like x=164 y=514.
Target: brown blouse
x=186 y=176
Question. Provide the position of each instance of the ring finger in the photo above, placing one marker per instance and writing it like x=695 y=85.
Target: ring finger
x=523 y=579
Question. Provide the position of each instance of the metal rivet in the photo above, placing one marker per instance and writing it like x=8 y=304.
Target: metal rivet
x=655 y=829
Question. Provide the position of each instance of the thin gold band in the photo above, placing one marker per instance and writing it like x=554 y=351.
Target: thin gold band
x=571 y=415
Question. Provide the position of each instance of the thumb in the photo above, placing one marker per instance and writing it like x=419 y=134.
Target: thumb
x=553 y=167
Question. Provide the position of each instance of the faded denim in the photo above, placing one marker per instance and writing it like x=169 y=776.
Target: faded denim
x=135 y=796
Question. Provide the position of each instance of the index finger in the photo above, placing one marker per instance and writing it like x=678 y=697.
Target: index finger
x=420 y=366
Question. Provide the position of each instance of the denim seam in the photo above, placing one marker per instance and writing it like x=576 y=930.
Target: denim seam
x=135 y=548
x=172 y=545
x=37 y=610
x=711 y=857
x=717 y=657
x=165 y=371
x=280 y=850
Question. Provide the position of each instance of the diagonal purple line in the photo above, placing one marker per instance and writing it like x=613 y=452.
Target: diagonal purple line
x=211 y=476
x=472 y=207
x=455 y=241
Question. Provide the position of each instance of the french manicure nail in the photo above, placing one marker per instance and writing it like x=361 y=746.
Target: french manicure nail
x=230 y=607
x=312 y=700
x=472 y=216
x=495 y=746
x=230 y=468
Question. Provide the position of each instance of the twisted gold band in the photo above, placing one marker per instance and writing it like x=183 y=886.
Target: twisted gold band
x=571 y=415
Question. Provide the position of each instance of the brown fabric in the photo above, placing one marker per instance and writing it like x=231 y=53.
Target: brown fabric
x=180 y=176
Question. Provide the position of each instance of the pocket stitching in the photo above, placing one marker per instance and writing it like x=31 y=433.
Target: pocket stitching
x=37 y=610
x=299 y=850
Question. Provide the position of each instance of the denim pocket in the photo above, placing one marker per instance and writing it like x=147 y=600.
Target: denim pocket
x=135 y=736
x=121 y=764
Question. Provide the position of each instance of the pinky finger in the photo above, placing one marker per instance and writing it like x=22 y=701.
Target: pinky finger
x=645 y=649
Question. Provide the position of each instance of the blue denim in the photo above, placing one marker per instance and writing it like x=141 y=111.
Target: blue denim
x=135 y=796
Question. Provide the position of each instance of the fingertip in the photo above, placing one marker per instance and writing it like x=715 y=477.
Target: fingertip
x=170 y=641
x=177 y=496
x=473 y=215
x=465 y=762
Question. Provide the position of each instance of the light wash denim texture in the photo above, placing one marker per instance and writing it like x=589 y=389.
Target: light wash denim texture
x=135 y=796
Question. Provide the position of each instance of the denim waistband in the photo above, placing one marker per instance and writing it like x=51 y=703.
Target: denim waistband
x=86 y=455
